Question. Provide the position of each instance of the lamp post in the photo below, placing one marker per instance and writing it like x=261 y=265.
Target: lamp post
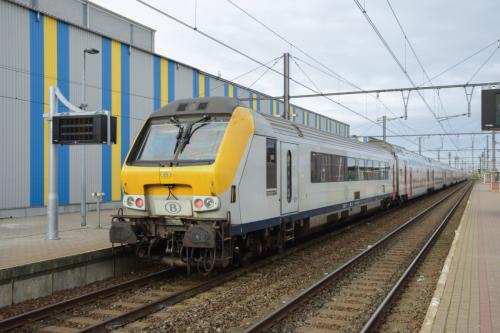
x=83 y=200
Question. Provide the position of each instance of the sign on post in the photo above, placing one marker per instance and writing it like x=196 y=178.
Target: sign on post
x=75 y=128
x=490 y=109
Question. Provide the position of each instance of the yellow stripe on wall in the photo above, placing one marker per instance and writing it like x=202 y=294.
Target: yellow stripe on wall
x=275 y=109
x=163 y=82
x=231 y=90
x=50 y=79
x=116 y=106
x=254 y=101
x=201 y=85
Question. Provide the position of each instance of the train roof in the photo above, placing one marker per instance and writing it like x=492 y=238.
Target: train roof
x=277 y=126
x=272 y=125
x=403 y=151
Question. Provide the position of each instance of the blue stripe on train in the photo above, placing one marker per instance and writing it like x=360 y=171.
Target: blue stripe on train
x=240 y=229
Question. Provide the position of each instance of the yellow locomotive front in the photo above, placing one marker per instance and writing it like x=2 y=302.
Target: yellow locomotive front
x=179 y=183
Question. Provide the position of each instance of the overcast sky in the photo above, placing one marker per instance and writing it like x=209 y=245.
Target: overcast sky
x=337 y=34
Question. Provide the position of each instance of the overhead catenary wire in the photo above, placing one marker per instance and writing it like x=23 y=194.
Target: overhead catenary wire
x=244 y=55
x=328 y=71
x=361 y=90
x=344 y=106
x=460 y=62
x=239 y=76
x=484 y=63
x=338 y=76
x=264 y=73
x=412 y=49
x=391 y=52
x=214 y=39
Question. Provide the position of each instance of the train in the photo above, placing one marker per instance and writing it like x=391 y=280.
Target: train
x=210 y=183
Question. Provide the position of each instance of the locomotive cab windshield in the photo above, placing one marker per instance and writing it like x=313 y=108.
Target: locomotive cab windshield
x=178 y=141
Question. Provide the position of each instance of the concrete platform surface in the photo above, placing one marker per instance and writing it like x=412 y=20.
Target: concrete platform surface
x=467 y=298
x=23 y=240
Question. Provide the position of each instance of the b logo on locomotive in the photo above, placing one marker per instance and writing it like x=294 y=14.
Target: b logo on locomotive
x=173 y=207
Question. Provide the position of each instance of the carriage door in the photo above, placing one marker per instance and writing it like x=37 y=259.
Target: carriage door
x=289 y=178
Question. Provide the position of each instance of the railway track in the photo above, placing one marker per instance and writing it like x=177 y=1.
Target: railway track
x=121 y=305
x=121 y=313
x=355 y=295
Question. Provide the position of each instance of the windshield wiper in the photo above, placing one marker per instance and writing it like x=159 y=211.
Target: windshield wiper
x=186 y=136
x=177 y=124
x=190 y=134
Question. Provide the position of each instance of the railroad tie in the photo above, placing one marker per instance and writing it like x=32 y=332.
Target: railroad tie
x=58 y=329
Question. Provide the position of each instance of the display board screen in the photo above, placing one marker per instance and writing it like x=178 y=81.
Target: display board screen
x=82 y=129
x=490 y=109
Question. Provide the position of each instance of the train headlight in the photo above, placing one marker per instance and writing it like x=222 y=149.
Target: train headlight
x=134 y=202
x=205 y=203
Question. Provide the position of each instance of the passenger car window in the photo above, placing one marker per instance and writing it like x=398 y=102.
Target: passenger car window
x=352 y=169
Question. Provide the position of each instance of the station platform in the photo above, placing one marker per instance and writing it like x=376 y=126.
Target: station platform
x=32 y=266
x=467 y=296
x=23 y=240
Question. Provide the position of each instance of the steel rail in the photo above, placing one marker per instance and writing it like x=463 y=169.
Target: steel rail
x=370 y=324
x=51 y=309
x=279 y=313
x=155 y=306
x=11 y=323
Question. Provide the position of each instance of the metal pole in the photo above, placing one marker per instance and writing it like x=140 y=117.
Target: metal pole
x=487 y=153
x=439 y=155
x=53 y=200
x=472 y=158
x=83 y=187
x=286 y=87
x=420 y=145
x=98 y=212
x=449 y=158
x=384 y=128
x=493 y=152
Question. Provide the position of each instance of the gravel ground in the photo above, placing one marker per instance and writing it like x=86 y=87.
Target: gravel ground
x=238 y=303
x=59 y=296
x=349 y=302
x=409 y=308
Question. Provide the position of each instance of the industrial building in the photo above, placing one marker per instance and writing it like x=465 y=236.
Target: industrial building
x=42 y=45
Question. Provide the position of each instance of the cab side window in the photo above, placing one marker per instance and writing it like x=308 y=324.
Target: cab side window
x=271 y=166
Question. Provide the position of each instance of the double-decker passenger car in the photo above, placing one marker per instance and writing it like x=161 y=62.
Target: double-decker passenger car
x=208 y=182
